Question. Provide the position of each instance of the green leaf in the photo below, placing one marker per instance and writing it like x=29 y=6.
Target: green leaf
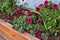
x=32 y=10
x=45 y=36
x=49 y=27
x=32 y=33
x=45 y=25
x=21 y=30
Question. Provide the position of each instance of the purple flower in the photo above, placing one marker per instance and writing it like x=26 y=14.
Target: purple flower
x=39 y=35
x=11 y=18
x=37 y=9
x=51 y=8
x=17 y=14
x=36 y=14
x=15 y=8
x=29 y=13
x=19 y=11
x=29 y=20
x=36 y=31
x=46 y=3
x=8 y=14
x=55 y=6
x=47 y=31
x=39 y=21
x=13 y=27
x=27 y=31
x=40 y=5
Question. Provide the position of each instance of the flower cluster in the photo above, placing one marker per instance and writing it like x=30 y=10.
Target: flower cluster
x=30 y=20
x=41 y=22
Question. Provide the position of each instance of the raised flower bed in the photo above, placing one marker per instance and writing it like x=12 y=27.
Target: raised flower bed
x=43 y=23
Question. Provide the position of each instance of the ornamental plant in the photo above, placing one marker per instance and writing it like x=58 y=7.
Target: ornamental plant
x=6 y=7
x=41 y=23
x=9 y=7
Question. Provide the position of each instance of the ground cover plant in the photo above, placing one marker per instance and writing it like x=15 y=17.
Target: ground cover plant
x=41 y=23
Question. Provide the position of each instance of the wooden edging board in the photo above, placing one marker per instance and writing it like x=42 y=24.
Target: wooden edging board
x=11 y=34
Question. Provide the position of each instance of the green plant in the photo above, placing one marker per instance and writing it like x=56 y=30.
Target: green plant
x=7 y=5
x=42 y=22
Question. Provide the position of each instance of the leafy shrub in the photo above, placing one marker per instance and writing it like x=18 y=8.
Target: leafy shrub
x=42 y=22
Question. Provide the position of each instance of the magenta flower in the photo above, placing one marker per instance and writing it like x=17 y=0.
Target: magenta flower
x=55 y=6
x=41 y=38
x=15 y=8
x=29 y=20
x=37 y=9
x=47 y=31
x=39 y=35
x=40 y=5
x=46 y=3
x=39 y=21
x=8 y=15
x=13 y=27
x=19 y=11
x=51 y=8
x=27 y=31
x=29 y=13
x=36 y=31
x=17 y=14
x=11 y=18
x=36 y=14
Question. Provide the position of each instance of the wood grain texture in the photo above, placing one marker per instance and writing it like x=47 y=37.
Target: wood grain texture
x=11 y=34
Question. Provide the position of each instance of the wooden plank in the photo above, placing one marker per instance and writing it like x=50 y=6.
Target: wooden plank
x=4 y=36
x=30 y=37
